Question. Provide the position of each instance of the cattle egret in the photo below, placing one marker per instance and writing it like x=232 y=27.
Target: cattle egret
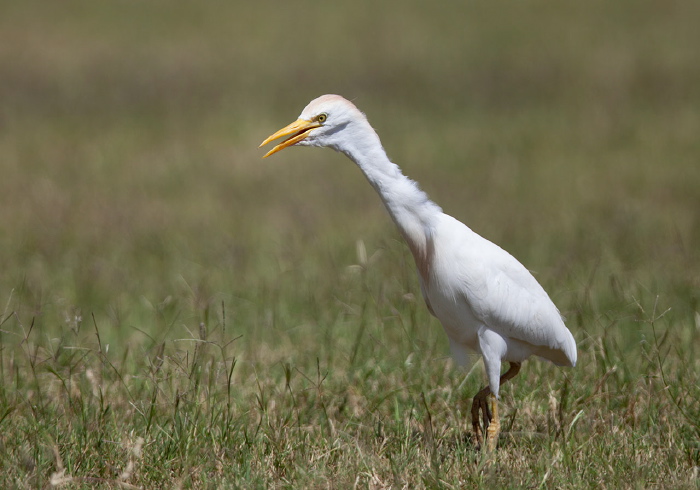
x=486 y=300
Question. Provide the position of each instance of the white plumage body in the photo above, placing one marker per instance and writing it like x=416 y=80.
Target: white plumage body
x=489 y=302
x=485 y=299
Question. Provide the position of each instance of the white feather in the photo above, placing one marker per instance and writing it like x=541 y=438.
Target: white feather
x=486 y=300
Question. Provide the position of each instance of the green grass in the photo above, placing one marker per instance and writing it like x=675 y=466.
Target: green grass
x=177 y=313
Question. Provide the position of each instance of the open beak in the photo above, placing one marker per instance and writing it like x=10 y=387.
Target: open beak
x=298 y=130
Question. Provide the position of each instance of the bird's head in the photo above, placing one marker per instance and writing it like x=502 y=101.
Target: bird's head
x=327 y=121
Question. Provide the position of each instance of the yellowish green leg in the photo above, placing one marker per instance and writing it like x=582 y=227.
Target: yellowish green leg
x=491 y=421
x=494 y=428
x=480 y=404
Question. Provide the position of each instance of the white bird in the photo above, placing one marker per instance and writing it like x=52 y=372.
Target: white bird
x=486 y=300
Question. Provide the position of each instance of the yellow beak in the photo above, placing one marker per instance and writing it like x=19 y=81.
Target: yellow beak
x=299 y=130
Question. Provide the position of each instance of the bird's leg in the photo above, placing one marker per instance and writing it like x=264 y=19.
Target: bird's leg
x=494 y=428
x=480 y=404
x=481 y=401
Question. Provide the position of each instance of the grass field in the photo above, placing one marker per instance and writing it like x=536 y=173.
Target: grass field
x=178 y=313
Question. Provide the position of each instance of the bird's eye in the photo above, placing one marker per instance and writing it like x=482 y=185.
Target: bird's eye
x=322 y=117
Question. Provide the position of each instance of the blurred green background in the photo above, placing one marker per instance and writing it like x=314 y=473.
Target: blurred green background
x=132 y=188
x=134 y=202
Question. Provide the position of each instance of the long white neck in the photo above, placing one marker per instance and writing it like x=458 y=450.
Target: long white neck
x=409 y=207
